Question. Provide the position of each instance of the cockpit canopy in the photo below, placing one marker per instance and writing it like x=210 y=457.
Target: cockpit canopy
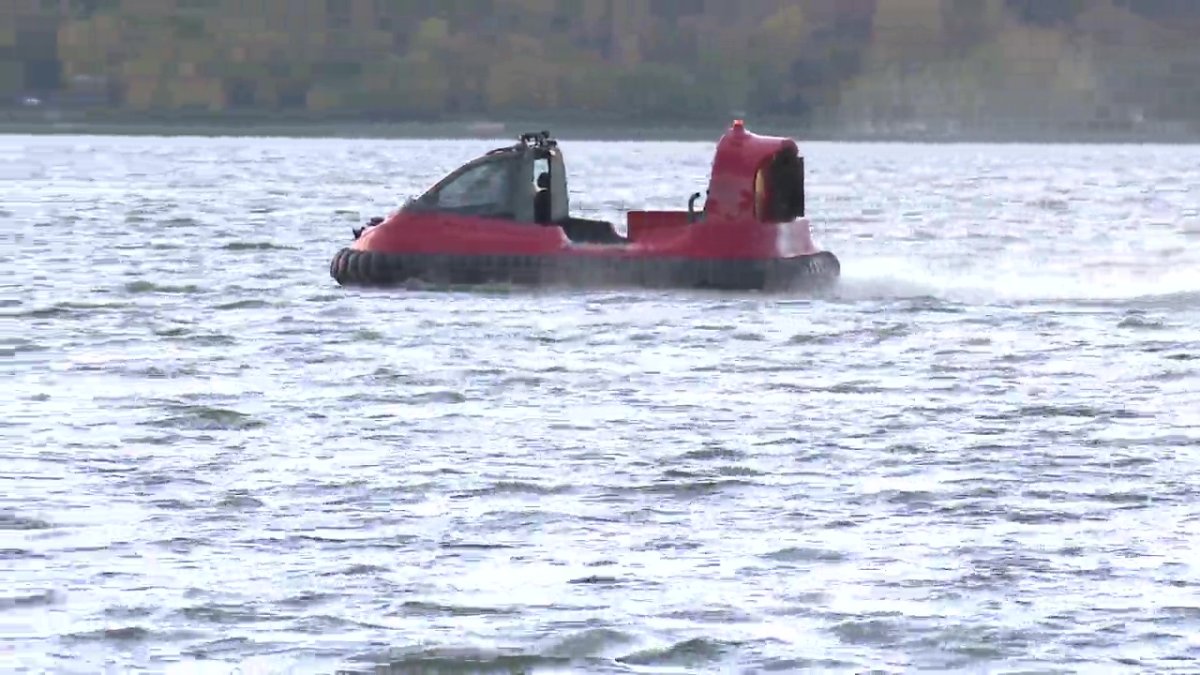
x=753 y=179
x=523 y=182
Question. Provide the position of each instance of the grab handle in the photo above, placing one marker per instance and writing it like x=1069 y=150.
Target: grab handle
x=693 y=216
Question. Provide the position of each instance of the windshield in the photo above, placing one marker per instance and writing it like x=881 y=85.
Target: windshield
x=482 y=190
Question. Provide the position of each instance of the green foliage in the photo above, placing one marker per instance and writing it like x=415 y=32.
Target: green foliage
x=11 y=76
x=656 y=90
x=1047 y=12
x=897 y=60
x=188 y=27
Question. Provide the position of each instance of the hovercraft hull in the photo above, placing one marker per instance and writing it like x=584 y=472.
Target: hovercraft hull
x=487 y=222
x=355 y=267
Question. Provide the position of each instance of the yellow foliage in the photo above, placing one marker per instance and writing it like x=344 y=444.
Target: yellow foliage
x=324 y=98
x=416 y=83
x=373 y=43
x=522 y=47
x=918 y=55
x=12 y=77
x=149 y=7
x=588 y=88
x=199 y=51
x=432 y=34
x=532 y=6
x=781 y=38
x=87 y=46
x=1046 y=58
x=143 y=93
x=788 y=26
x=593 y=16
x=147 y=68
x=1029 y=51
x=521 y=84
x=908 y=28
x=196 y=92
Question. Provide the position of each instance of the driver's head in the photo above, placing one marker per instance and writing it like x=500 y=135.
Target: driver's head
x=543 y=180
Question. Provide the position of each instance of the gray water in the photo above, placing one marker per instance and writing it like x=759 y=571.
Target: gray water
x=979 y=455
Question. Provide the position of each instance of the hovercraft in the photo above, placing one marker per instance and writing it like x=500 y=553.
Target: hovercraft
x=505 y=218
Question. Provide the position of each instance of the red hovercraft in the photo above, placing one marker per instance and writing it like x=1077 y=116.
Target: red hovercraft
x=486 y=222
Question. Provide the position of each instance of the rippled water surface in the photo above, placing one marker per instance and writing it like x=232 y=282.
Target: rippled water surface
x=979 y=455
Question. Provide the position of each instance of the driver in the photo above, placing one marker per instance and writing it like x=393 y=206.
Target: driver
x=541 y=199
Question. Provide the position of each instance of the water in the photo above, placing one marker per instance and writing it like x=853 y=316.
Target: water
x=979 y=455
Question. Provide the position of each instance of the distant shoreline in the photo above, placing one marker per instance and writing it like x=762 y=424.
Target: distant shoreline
x=262 y=125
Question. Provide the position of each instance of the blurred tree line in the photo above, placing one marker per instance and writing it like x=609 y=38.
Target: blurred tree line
x=865 y=62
